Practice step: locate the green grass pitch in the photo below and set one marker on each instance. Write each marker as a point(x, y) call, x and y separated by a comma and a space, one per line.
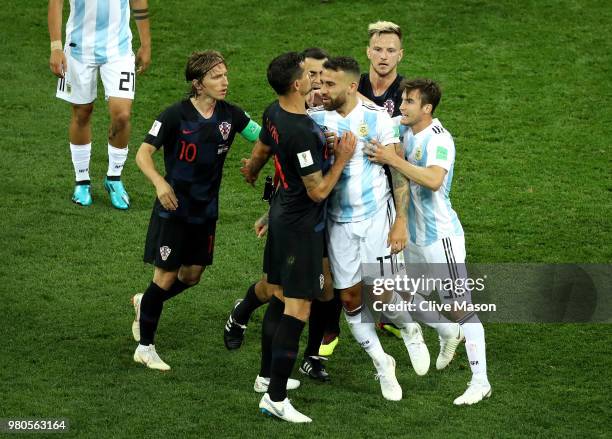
point(527, 94)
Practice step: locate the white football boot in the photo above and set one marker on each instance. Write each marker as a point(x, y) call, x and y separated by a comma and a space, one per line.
point(417, 349)
point(448, 346)
point(281, 409)
point(148, 356)
point(476, 392)
point(136, 323)
point(389, 385)
point(261, 384)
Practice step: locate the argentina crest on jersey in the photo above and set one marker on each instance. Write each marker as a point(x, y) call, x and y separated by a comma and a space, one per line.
point(418, 155)
point(362, 129)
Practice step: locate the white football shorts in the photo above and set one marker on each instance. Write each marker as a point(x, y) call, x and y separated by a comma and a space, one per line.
point(440, 262)
point(356, 243)
point(80, 82)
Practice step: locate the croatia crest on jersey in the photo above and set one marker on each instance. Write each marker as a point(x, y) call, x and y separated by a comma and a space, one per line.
point(225, 128)
point(390, 106)
point(165, 252)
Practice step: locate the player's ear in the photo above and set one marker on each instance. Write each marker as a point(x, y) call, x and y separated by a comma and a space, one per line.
point(368, 51)
point(427, 108)
point(401, 55)
point(296, 85)
point(197, 85)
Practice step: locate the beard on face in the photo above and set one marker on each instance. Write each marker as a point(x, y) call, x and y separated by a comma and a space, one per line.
point(334, 104)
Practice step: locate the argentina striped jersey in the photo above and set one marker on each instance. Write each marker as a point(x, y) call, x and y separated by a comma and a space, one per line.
point(363, 187)
point(431, 216)
point(98, 31)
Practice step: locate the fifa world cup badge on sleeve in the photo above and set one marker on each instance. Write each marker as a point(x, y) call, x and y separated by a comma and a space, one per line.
point(155, 128)
point(305, 159)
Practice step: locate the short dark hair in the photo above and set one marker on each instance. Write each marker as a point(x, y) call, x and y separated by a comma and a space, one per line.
point(283, 70)
point(344, 64)
point(429, 89)
point(315, 53)
point(199, 64)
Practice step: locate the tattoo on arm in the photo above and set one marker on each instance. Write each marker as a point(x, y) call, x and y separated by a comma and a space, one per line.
point(265, 218)
point(140, 14)
point(256, 164)
point(259, 157)
point(311, 181)
point(400, 192)
point(401, 188)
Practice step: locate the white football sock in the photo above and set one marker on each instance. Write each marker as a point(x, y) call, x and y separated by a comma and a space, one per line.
point(401, 317)
point(434, 319)
point(476, 348)
point(81, 154)
point(365, 334)
point(445, 330)
point(116, 160)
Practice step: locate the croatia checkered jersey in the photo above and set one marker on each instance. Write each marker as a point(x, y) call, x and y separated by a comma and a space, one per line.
point(98, 31)
point(195, 149)
point(363, 187)
point(431, 216)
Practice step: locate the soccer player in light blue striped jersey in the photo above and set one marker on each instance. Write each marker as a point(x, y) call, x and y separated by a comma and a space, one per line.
point(436, 235)
point(363, 226)
point(98, 38)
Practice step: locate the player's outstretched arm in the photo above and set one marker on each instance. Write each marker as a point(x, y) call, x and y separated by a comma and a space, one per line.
point(57, 59)
point(165, 193)
point(319, 186)
point(259, 157)
point(431, 177)
point(140, 12)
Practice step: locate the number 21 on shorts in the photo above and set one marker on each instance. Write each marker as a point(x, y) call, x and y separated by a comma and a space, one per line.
point(127, 82)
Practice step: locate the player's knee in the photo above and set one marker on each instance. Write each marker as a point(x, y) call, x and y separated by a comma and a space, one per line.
point(191, 280)
point(351, 298)
point(164, 280)
point(263, 291)
point(81, 114)
point(191, 276)
point(120, 120)
point(302, 314)
point(350, 302)
point(299, 309)
point(350, 305)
